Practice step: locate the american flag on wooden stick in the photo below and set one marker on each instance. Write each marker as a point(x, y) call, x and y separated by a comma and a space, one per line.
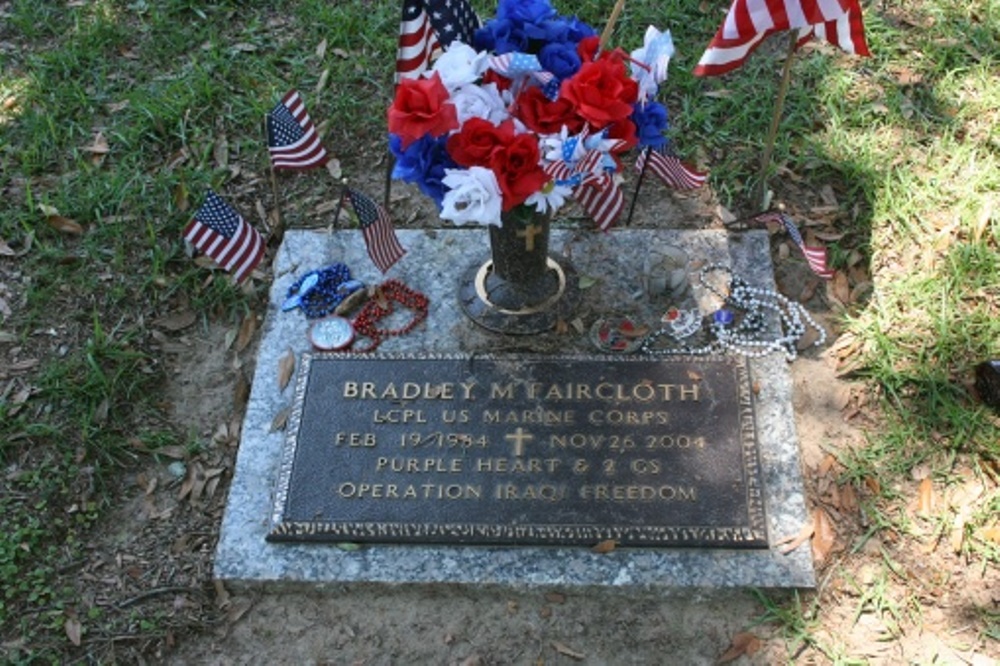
point(815, 256)
point(669, 168)
point(292, 139)
point(221, 233)
point(750, 21)
point(380, 238)
point(427, 27)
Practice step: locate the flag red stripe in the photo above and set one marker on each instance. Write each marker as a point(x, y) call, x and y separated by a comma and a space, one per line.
point(672, 171)
point(750, 21)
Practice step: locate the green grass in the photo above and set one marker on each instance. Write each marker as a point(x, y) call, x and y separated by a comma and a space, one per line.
point(909, 140)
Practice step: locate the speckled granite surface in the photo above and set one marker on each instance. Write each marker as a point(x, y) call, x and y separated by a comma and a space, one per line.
point(612, 264)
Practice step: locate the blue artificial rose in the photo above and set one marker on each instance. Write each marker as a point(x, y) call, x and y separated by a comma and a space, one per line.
point(525, 11)
point(576, 29)
point(423, 163)
point(500, 36)
point(560, 59)
point(650, 123)
point(548, 31)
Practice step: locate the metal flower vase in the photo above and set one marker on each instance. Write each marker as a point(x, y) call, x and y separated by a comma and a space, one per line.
point(520, 288)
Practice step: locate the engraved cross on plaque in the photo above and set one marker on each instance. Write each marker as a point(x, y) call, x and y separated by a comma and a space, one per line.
point(519, 436)
point(528, 234)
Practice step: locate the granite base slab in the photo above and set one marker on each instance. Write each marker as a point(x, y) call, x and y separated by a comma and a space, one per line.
point(611, 264)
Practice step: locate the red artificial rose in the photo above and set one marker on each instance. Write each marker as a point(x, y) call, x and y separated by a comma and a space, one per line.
point(624, 130)
point(544, 116)
point(422, 106)
point(517, 170)
point(491, 76)
point(602, 92)
point(478, 140)
point(587, 48)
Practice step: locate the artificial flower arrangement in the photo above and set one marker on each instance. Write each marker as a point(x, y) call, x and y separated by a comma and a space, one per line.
point(531, 114)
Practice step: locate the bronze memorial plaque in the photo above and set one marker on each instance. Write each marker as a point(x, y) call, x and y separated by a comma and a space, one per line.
point(464, 449)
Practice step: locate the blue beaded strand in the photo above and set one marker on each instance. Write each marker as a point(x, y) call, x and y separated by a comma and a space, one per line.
point(318, 293)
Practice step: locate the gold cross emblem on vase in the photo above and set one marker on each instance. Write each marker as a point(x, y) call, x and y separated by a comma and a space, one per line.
point(528, 234)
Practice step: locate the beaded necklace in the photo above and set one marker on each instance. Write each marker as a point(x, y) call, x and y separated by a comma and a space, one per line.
point(381, 305)
point(319, 292)
point(743, 334)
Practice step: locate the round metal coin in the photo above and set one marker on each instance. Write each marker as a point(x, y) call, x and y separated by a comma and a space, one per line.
point(331, 334)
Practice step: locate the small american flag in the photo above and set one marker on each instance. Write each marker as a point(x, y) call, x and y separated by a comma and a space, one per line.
point(601, 198)
point(815, 256)
point(427, 27)
point(380, 237)
point(221, 233)
point(668, 168)
point(291, 136)
point(750, 21)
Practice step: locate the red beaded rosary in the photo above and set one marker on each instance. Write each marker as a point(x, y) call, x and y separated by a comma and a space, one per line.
point(380, 306)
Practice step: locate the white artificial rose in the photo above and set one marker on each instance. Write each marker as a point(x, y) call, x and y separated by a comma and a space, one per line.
point(473, 196)
point(472, 101)
point(459, 65)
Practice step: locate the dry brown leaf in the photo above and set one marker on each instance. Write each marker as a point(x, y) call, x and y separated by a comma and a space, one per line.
point(286, 368)
point(321, 49)
point(247, 328)
point(605, 546)
point(238, 609)
point(824, 535)
point(220, 152)
point(841, 288)
point(98, 149)
point(567, 651)
point(958, 533)
point(983, 221)
point(194, 482)
point(873, 485)
point(926, 499)
point(221, 595)
point(990, 534)
point(177, 321)
point(280, 420)
point(848, 498)
point(793, 542)
point(323, 78)
point(5, 250)
point(64, 225)
point(241, 391)
point(826, 465)
point(74, 630)
point(99, 145)
point(181, 202)
point(175, 452)
point(743, 643)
